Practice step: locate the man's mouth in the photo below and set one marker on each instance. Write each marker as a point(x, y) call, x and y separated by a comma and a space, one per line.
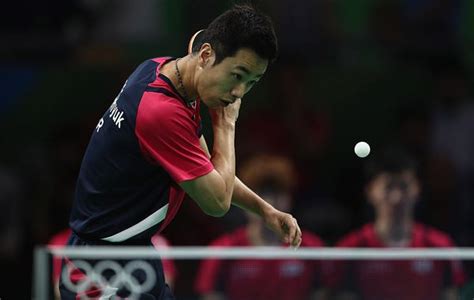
point(225, 103)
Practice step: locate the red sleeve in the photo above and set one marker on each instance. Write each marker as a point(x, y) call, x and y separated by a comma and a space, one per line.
point(168, 135)
point(311, 240)
point(352, 240)
point(457, 276)
point(210, 269)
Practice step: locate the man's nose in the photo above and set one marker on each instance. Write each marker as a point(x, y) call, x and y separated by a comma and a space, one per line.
point(238, 91)
point(395, 196)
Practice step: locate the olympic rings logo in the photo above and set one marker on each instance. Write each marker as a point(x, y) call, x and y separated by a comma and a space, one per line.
point(120, 277)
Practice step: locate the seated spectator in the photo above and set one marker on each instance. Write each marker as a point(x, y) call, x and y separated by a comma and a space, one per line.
point(274, 178)
point(393, 189)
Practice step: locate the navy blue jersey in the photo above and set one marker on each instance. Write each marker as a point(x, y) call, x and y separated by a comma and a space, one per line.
point(144, 144)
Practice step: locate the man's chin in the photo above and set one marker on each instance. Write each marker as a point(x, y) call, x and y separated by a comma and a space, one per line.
point(215, 104)
point(210, 103)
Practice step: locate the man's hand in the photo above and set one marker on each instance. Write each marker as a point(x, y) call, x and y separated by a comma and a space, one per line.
point(213, 191)
point(285, 226)
point(225, 114)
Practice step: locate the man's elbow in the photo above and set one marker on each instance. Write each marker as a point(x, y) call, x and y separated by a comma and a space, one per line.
point(218, 210)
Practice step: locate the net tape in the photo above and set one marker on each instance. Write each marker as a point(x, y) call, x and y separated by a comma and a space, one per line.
point(123, 274)
point(265, 253)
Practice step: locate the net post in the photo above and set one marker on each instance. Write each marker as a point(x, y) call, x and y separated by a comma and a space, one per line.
point(41, 274)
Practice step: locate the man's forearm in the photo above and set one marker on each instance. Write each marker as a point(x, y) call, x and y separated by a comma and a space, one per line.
point(247, 199)
point(242, 196)
point(223, 157)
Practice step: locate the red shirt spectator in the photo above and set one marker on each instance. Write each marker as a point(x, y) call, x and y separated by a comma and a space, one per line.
point(255, 279)
point(393, 188)
point(397, 279)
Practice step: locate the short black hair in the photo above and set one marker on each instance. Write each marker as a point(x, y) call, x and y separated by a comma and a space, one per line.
point(392, 160)
point(242, 26)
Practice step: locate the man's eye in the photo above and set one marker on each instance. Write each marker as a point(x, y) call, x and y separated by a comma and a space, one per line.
point(237, 76)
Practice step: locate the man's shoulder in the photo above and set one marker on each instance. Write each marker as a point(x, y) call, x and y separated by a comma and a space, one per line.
point(238, 237)
point(359, 237)
point(160, 59)
point(160, 104)
point(432, 237)
point(311, 240)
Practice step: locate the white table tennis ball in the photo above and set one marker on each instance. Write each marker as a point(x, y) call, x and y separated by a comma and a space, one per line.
point(362, 149)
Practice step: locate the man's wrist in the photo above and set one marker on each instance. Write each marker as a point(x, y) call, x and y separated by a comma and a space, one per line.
point(266, 209)
point(223, 125)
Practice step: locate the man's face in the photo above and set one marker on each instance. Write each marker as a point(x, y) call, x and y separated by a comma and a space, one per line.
point(281, 200)
point(394, 195)
point(221, 84)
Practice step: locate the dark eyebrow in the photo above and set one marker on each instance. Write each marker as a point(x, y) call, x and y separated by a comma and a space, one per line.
point(247, 71)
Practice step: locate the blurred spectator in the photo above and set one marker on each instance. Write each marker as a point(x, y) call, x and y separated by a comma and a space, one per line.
point(393, 189)
point(61, 238)
point(274, 178)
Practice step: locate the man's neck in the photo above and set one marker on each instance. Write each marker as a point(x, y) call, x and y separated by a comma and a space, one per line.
point(394, 233)
point(185, 85)
point(185, 68)
point(254, 236)
point(259, 235)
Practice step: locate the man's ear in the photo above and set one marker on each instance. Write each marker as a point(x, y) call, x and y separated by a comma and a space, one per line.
point(206, 55)
point(368, 190)
point(191, 41)
point(415, 193)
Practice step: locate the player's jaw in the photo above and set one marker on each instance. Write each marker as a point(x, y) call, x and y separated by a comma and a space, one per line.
point(219, 94)
point(214, 102)
point(225, 102)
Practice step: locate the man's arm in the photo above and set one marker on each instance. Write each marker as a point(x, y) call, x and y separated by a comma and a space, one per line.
point(213, 191)
point(281, 223)
point(243, 196)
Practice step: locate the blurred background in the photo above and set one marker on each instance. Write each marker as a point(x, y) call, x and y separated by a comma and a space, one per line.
point(382, 71)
